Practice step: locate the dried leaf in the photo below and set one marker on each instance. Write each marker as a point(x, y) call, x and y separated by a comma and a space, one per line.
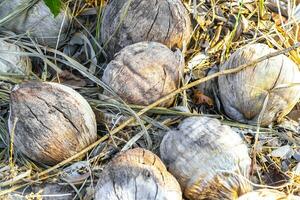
point(282, 152)
point(198, 59)
point(199, 98)
point(278, 19)
point(77, 172)
point(297, 169)
point(295, 113)
point(70, 79)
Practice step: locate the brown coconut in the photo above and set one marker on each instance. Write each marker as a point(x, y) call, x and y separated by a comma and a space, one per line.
point(144, 72)
point(269, 89)
point(38, 21)
point(11, 62)
point(137, 174)
point(126, 22)
point(209, 160)
point(50, 122)
point(268, 194)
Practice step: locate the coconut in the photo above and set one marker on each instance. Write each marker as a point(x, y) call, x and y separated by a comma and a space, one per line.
point(50, 122)
point(37, 21)
point(12, 62)
point(262, 93)
point(144, 72)
point(128, 22)
point(209, 160)
point(268, 194)
point(137, 174)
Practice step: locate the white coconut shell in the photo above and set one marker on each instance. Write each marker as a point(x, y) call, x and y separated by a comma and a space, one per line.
point(243, 94)
point(37, 21)
point(144, 72)
point(137, 174)
point(268, 194)
point(209, 160)
point(128, 22)
point(11, 62)
point(50, 122)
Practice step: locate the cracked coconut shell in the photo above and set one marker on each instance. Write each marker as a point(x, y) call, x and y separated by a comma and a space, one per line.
point(128, 22)
point(268, 194)
point(144, 72)
point(37, 21)
point(209, 160)
point(137, 174)
point(11, 62)
point(270, 87)
point(50, 122)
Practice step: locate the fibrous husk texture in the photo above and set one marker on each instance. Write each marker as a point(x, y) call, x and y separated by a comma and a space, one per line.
point(137, 174)
point(269, 89)
point(127, 22)
point(209, 160)
point(144, 72)
point(50, 122)
point(268, 194)
point(11, 62)
point(37, 21)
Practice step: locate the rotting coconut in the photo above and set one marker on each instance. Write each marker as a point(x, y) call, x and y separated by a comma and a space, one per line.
point(137, 174)
point(11, 62)
point(37, 21)
point(128, 22)
point(209, 160)
point(50, 122)
point(267, 91)
point(268, 194)
point(144, 72)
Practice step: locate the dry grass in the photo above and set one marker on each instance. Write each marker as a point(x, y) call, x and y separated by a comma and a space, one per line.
point(220, 27)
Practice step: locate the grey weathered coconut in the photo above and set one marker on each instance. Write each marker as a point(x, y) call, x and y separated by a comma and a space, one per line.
point(37, 21)
point(144, 72)
point(270, 82)
point(268, 194)
point(11, 62)
point(137, 174)
point(209, 160)
point(50, 122)
point(126, 22)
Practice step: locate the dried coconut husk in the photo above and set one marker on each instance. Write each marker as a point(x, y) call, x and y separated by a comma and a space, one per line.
point(126, 22)
point(11, 62)
point(137, 174)
point(144, 72)
point(268, 90)
point(38, 21)
point(209, 160)
point(268, 194)
point(50, 122)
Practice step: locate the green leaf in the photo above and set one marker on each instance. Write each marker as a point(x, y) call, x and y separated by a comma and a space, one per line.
point(54, 6)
